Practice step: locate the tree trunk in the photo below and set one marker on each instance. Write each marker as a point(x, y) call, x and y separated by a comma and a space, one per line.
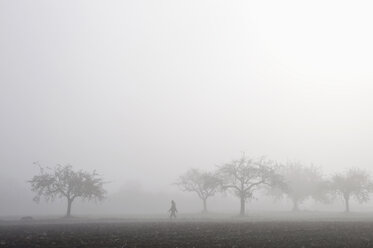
point(242, 210)
point(295, 205)
point(69, 203)
point(204, 206)
point(347, 203)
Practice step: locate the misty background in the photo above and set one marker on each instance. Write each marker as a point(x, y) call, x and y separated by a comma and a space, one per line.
point(141, 91)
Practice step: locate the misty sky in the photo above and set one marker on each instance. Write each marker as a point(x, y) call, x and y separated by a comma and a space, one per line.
point(143, 90)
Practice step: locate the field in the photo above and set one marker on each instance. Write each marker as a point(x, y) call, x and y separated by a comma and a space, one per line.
point(297, 232)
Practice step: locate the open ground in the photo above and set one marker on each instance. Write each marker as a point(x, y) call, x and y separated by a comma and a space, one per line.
point(289, 230)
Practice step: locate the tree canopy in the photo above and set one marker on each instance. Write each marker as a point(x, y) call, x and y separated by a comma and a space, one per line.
point(301, 183)
point(354, 183)
point(64, 182)
point(205, 184)
point(244, 176)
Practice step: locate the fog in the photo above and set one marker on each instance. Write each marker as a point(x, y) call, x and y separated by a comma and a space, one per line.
point(141, 91)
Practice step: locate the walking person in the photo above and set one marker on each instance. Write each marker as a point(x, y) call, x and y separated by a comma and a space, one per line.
point(173, 210)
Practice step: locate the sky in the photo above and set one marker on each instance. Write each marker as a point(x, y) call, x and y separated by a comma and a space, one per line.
point(140, 91)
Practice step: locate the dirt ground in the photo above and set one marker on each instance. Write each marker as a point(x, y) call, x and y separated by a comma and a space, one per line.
point(189, 234)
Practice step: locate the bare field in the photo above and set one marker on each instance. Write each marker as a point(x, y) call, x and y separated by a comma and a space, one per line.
point(187, 233)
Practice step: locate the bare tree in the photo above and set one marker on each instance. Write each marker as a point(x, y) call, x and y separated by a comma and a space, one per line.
point(301, 183)
point(64, 182)
point(205, 184)
point(244, 176)
point(354, 183)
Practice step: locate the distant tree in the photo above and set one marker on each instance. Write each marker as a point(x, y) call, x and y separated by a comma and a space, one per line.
point(204, 184)
point(244, 176)
point(64, 182)
point(354, 183)
point(301, 183)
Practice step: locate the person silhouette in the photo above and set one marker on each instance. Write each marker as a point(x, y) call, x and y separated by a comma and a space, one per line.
point(173, 210)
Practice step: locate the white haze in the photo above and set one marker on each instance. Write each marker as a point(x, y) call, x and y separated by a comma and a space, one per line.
point(143, 90)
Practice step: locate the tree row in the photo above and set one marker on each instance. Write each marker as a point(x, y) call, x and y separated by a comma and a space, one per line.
point(245, 176)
